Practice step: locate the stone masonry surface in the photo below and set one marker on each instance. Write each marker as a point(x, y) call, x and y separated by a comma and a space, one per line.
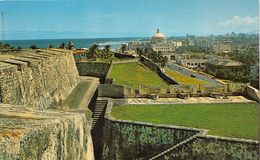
point(35, 123)
point(40, 79)
point(30, 134)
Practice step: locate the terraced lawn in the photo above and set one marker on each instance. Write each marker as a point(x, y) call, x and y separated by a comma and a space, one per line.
point(231, 120)
point(135, 73)
point(181, 78)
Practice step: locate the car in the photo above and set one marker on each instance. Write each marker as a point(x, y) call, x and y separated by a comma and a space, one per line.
point(193, 76)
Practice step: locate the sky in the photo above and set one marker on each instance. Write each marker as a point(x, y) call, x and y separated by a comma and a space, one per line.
point(126, 18)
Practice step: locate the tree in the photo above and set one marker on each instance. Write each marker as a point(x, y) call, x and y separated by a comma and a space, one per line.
point(139, 52)
point(63, 46)
point(107, 48)
point(93, 51)
point(7, 46)
point(33, 46)
point(164, 61)
point(123, 48)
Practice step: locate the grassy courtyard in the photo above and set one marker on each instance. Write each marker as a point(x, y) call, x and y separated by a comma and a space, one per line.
point(183, 78)
point(135, 74)
point(231, 120)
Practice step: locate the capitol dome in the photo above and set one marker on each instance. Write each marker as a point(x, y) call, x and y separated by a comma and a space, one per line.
point(158, 37)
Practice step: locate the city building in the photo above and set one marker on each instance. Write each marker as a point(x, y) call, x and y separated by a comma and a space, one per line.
point(254, 72)
point(222, 47)
point(214, 65)
point(158, 43)
point(188, 62)
point(178, 43)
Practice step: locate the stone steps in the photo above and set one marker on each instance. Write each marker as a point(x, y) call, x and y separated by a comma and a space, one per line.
point(98, 114)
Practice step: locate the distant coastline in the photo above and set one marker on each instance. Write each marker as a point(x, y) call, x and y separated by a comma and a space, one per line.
point(79, 43)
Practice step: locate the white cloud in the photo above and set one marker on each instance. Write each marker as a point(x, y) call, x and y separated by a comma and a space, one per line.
point(240, 21)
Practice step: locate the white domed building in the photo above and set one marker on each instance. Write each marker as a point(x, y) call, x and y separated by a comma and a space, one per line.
point(160, 44)
point(158, 37)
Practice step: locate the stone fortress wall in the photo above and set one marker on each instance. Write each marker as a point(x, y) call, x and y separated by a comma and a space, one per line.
point(40, 80)
point(139, 140)
point(34, 124)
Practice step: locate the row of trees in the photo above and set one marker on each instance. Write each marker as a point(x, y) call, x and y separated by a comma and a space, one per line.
point(96, 52)
point(155, 57)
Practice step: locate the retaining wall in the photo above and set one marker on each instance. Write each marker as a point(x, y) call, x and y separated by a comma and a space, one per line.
point(41, 79)
point(213, 148)
point(157, 69)
point(252, 93)
point(136, 140)
point(95, 69)
point(115, 91)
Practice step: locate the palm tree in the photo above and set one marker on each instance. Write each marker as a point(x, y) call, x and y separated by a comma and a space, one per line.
point(93, 50)
point(63, 46)
point(139, 52)
point(107, 48)
point(164, 61)
point(123, 48)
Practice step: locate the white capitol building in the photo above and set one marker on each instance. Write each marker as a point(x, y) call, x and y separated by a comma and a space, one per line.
point(158, 43)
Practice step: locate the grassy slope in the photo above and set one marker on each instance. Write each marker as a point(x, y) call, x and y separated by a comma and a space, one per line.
point(183, 78)
point(135, 74)
point(232, 120)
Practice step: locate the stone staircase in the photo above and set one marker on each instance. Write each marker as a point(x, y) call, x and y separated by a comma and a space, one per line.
point(98, 114)
point(98, 107)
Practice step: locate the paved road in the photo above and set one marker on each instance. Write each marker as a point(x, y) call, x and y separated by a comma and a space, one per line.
point(187, 72)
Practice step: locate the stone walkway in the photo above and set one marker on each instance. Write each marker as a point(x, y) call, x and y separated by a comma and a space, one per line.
point(229, 99)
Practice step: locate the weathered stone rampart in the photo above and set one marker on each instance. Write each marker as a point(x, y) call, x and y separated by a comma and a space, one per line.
point(125, 139)
point(95, 69)
point(212, 147)
point(27, 133)
point(43, 107)
point(39, 79)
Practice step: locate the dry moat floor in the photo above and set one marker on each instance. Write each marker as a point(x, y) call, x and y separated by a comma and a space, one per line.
point(238, 120)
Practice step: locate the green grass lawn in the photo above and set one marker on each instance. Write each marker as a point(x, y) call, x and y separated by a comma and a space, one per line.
point(179, 77)
point(231, 120)
point(76, 96)
point(135, 74)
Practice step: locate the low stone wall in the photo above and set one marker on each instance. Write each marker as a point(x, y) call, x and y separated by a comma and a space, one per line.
point(157, 69)
point(252, 93)
point(121, 56)
point(39, 79)
point(115, 91)
point(136, 140)
point(213, 148)
point(27, 133)
point(94, 69)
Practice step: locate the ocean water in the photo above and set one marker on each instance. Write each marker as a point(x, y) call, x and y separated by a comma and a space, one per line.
point(78, 43)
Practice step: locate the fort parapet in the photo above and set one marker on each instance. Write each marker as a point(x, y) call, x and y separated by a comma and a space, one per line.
point(40, 79)
point(44, 107)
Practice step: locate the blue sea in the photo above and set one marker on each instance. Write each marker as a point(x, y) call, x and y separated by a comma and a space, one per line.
point(78, 43)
